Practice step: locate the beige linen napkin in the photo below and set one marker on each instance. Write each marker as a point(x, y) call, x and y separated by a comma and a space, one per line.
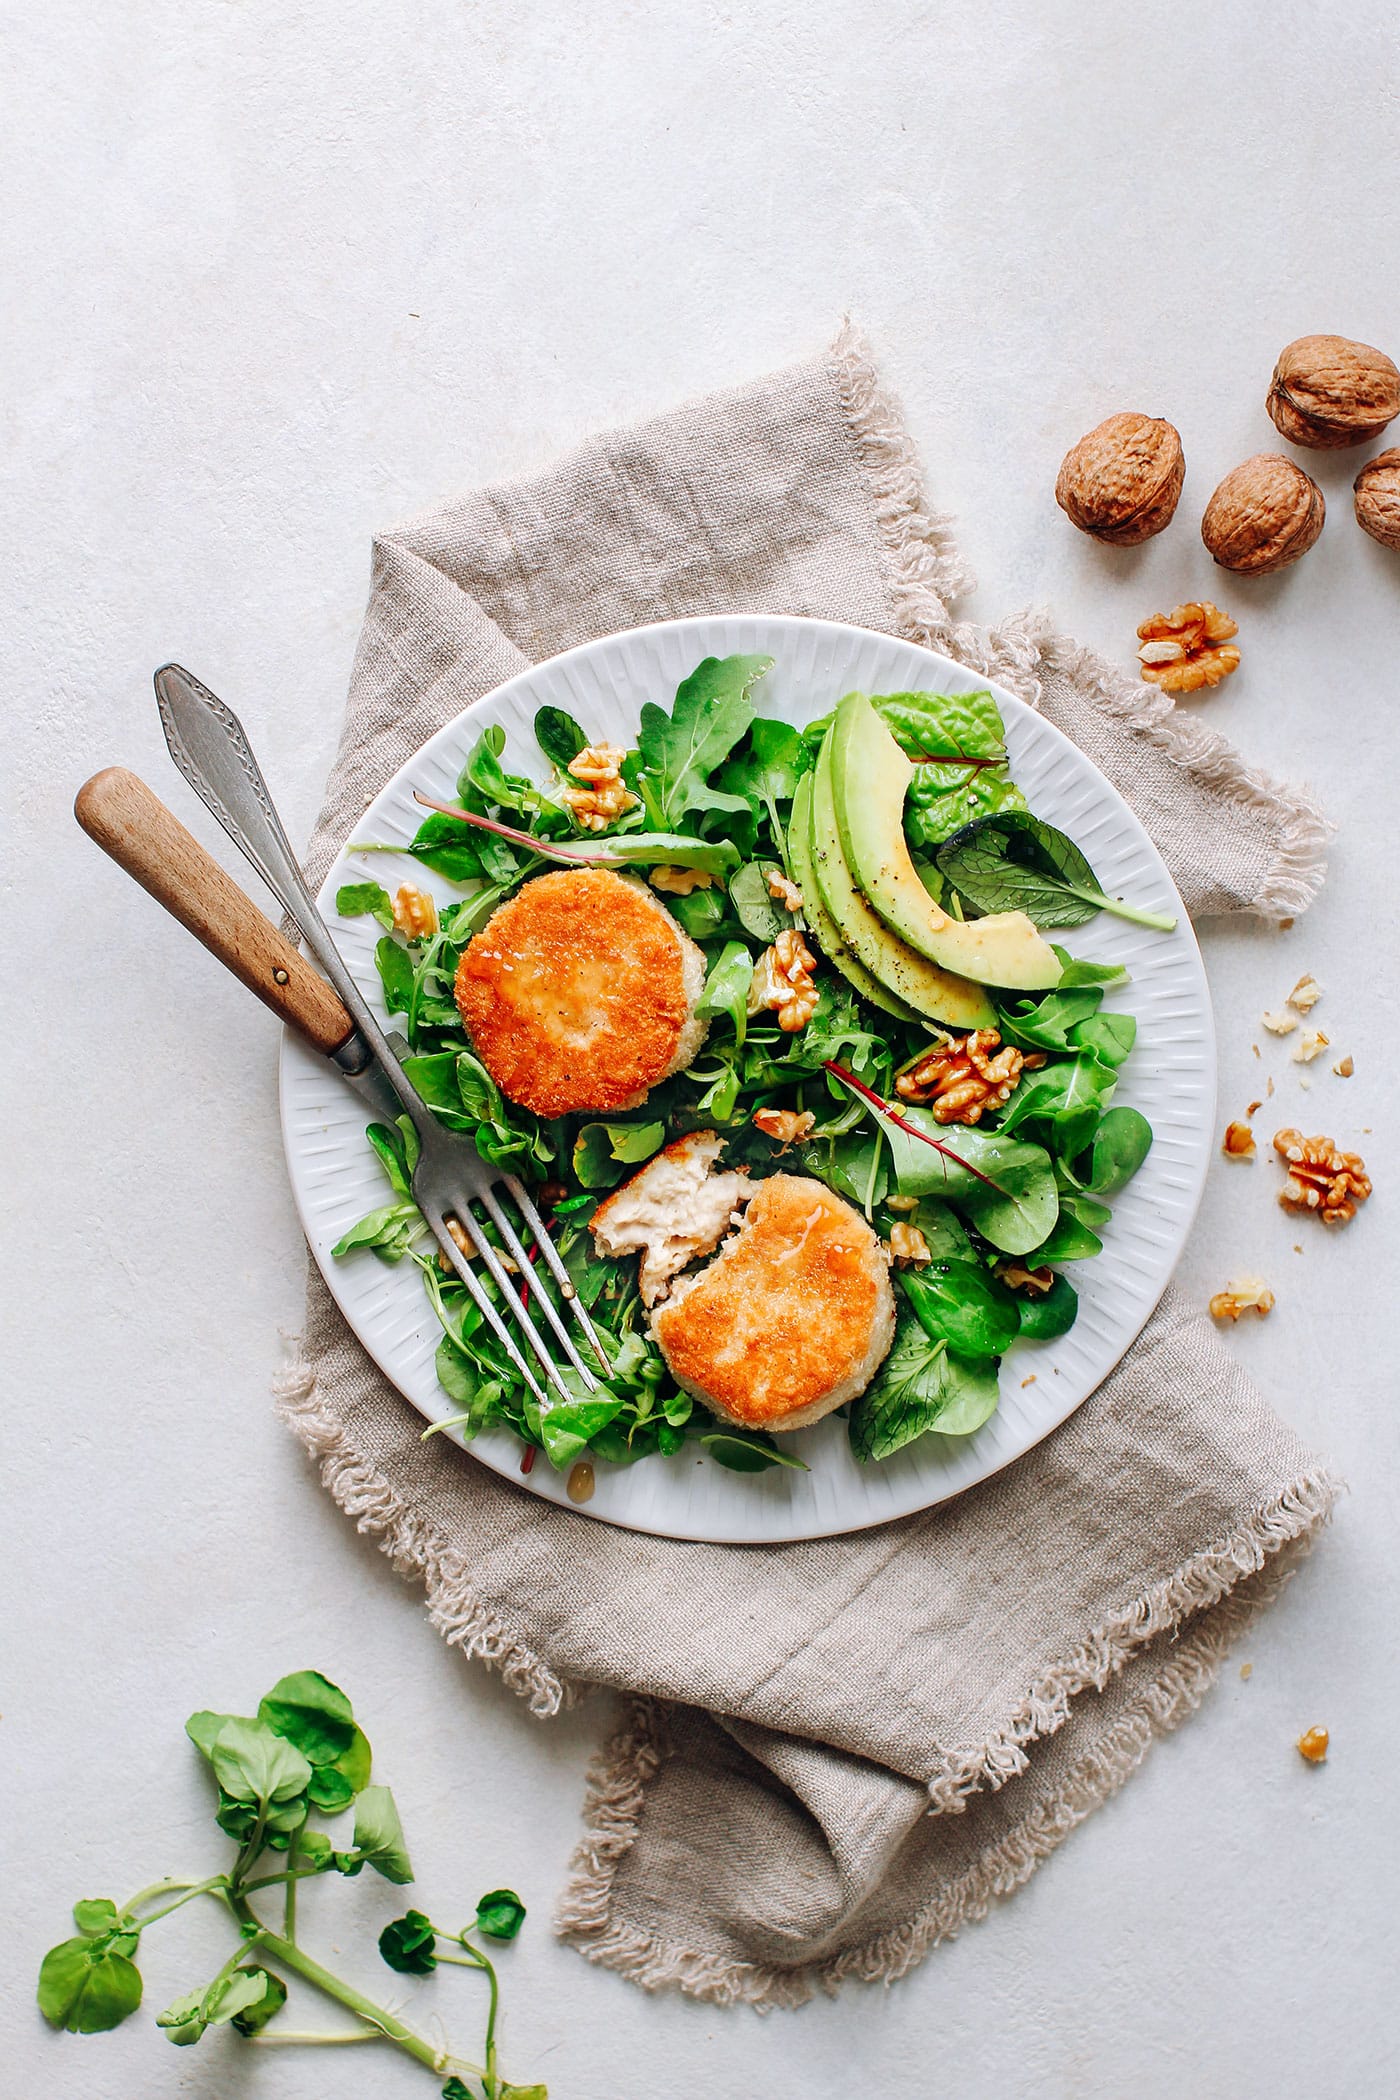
point(836, 1752)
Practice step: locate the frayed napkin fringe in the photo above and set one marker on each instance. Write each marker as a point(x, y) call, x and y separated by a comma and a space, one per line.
point(1268, 1546)
point(456, 1608)
point(926, 575)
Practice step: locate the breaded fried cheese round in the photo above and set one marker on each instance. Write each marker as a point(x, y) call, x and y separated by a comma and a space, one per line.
point(793, 1317)
point(580, 993)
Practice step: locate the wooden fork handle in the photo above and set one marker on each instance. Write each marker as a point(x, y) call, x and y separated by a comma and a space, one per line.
point(126, 820)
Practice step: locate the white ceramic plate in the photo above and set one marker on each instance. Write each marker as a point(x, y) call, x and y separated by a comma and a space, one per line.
point(1170, 1077)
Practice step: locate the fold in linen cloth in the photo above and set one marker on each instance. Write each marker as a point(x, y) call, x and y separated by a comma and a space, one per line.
point(835, 1752)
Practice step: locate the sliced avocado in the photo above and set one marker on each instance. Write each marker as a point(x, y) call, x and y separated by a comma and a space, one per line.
point(837, 951)
point(934, 993)
point(870, 777)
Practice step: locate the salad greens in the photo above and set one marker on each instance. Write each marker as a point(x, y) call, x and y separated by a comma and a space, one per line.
point(999, 1205)
point(302, 1755)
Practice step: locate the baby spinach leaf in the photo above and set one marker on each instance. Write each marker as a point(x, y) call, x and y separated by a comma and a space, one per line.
point(727, 987)
point(387, 1232)
point(604, 1151)
point(87, 1986)
point(855, 1164)
point(920, 1386)
point(450, 849)
point(1068, 1098)
point(680, 750)
point(395, 968)
point(671, 849)
point(1045, 1314)
point(961, 1303)
point(1121, 1144)
point(1109, 1036)
point(1075, 972)
point(307, 1710)
point(354, 899)
point(958, 745)
point(748, 1451)
point(1014, 1213)
point(409, 1944)
point(701, 914)
point(755, 906)
point(500, 1914)
point(1013, 861)
point(1045, 1024)
point(565, 1429)
point(379, 1834)
point(1075, 1235)
point(558, 736)
point(945, 1236)
point(396, 1146)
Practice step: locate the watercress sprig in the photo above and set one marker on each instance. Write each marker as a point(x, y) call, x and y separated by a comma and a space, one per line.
point(302, 1753)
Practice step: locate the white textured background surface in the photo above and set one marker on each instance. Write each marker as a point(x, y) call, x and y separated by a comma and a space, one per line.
point(275, 275)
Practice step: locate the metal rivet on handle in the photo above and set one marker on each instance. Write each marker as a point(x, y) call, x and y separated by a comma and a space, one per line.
point(280, 976)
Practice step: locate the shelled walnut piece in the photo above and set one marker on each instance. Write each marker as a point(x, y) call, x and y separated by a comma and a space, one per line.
point(1320, 1177)
point(785, 891)
point(1245, 1294)
point(1182, 651)
point(962, 1079)
point(1238, 1142)
point(908, 1247)
point(415, 913)
point(784, 1125)
point(782, 982)
point(679, 882)
point(603, 797)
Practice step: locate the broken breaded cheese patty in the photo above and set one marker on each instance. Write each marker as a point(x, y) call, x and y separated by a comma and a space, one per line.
point(792, 1318)
point(580, 993)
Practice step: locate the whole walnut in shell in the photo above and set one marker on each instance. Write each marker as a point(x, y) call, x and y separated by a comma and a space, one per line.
point(1264, 514)
point(1122, 481)
point(1329, 391)
point(1376, 493)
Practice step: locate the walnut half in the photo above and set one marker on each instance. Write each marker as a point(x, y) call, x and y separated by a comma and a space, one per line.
point(782, 982)
point(1182, 650)
point(961, 1080)
point(1320, 1177)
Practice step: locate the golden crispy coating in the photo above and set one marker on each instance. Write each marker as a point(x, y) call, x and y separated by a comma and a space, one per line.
point(578, 993)
point(791, 1318)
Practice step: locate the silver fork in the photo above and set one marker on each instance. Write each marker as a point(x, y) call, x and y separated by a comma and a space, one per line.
point(208, 744)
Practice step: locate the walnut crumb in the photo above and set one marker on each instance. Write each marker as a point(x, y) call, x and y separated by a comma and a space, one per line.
point(1305, 994)
point(679, 882)
point(1246, 1671)
point(1310, 1044)
point(1281, 1023)
point(1239, 1140)
point(1245, 1294)
point(1345, 1066)
point(1284, 924)
point(1269, 1089)
point(786, 892)
point(1254, 1108)
point(1312, 1744)
point(1028, 1381)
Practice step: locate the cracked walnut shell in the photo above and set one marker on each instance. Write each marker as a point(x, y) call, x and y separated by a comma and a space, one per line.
point(1265, 513)
point(1182, 650)
point(1122, 481)
point(1320, 1177)
point(1375, 494)
point(1327, 391)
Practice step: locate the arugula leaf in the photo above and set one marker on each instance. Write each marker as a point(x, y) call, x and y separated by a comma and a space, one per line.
point(1076, 972)
point(379, 1834)
point(1013, 861)
point(756, 908)
point(558, 736)
point(604, 1151)
point(764, 770)
point(88, 1986)
point(484, 774)
point(354, 899)
point(409, 1944)
point(396, 1146)
point(500, 1914)
point(920, 1386)
point(727, 988)
point(680, 750)
point(671, 849)
point(450, 849)
point(1120, 1145)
